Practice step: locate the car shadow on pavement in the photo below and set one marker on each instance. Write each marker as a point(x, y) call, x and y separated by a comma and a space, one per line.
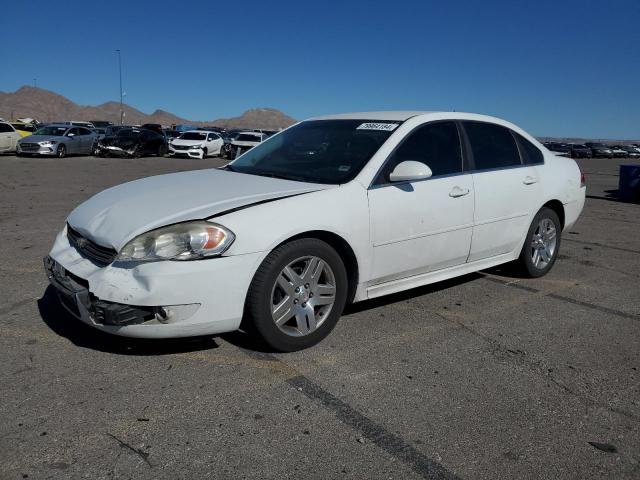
point(82, 335)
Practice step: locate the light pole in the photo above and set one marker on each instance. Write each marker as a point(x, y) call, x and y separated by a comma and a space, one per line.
point(120, 70)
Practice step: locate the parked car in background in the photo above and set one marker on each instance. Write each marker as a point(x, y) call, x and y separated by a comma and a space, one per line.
point(133, 142)
point(154, 127)
point(171, 134)
point(333, 210)
point(618, 151)
point(101, 123)
point(9, 138)
point(242, 142)
point(562, 148)
point(599, 150)
point(111, 130)
point(196, 144)
point(77, 123)
point(632, 152)
point(580, 151)
point(24, 129)
point(58, 140)
point(100, 132)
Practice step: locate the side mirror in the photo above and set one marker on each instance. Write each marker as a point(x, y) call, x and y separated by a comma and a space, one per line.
point(410, 170)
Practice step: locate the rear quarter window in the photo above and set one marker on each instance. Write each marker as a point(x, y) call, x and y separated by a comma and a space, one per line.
point(531, 155)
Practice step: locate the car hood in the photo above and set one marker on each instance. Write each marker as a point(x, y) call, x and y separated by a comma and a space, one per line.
point(118, 214)
point(187, 142)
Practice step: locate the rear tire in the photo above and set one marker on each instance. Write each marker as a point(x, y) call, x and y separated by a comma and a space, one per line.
point(162, 151)
point(540, 249)
point(297, 295)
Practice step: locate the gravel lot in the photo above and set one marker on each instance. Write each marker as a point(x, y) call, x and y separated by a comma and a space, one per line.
point(486, 376)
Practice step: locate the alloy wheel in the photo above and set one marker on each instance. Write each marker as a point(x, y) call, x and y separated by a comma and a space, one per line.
point(543, 243)
point(303, 295)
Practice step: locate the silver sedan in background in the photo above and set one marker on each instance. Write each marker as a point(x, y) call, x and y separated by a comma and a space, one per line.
point(58, 140)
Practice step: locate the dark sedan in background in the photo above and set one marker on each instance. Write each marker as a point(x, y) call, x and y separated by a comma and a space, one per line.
point(580, 151)
point(133, 142)
point(599, 150)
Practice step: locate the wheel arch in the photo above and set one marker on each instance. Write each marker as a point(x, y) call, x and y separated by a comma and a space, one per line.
point(340, 245)
point(558, 208)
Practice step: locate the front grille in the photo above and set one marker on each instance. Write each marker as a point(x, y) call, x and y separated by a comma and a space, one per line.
point(29, 147)
point(180, 147)
point(90, 250)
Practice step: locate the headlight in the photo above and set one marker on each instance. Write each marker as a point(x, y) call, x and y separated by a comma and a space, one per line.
point(47, 143)
point(196, 146)
point(183, 241)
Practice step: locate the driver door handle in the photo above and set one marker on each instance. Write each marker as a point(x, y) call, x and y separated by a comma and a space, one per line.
point(529, 180)
point(458, 192)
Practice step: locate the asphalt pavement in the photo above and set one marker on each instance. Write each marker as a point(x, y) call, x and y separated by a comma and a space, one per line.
point(485, 376)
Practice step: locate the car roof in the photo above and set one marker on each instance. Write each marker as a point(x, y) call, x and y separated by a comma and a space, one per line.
point(402, 115)
point(199, 131)
point(249, 132)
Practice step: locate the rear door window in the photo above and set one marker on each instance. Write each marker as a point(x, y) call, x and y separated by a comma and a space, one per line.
point(493, 146)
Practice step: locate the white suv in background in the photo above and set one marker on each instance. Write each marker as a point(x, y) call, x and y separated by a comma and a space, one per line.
point(8, 138)
point(196, 144)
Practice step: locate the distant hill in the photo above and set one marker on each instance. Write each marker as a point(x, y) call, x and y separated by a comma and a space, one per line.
point(47, 106)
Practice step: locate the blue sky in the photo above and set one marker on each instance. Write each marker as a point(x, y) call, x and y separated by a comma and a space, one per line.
point(553, 67)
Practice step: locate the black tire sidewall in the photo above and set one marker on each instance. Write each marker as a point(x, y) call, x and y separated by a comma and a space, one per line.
point(62, 151)
point(525, 257)
point(258, 318)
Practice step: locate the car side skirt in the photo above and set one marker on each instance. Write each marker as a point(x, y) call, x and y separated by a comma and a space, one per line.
point(414, 281)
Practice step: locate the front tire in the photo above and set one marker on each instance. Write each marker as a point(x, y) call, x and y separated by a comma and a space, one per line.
point(297, 295)
point(62, 151)
point(540, 249)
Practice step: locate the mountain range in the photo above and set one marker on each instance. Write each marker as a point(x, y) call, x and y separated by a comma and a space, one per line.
point(47, 106)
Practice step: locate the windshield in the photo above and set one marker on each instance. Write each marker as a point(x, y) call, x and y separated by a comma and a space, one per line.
point(193, 136)
point(51, 131)
point(128, 133)
point(318, 151)
point(244, 137)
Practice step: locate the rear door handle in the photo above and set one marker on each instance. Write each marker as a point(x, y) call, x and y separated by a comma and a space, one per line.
point(458, 192)
point(529, 180)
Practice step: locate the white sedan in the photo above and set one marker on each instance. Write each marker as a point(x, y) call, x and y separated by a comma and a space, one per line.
point(8, 138)
point(196, 144)
point(332, 210)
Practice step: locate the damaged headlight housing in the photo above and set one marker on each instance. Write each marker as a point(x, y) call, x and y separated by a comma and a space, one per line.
point(182, 241)
point(196, 146)
point(47, 143)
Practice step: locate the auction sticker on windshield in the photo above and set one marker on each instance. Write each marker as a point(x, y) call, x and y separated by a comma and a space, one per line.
point(387, 127)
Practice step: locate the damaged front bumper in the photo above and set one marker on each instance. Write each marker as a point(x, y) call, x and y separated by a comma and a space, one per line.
point(156, 299)
point(75, 297)
point(117, 151)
